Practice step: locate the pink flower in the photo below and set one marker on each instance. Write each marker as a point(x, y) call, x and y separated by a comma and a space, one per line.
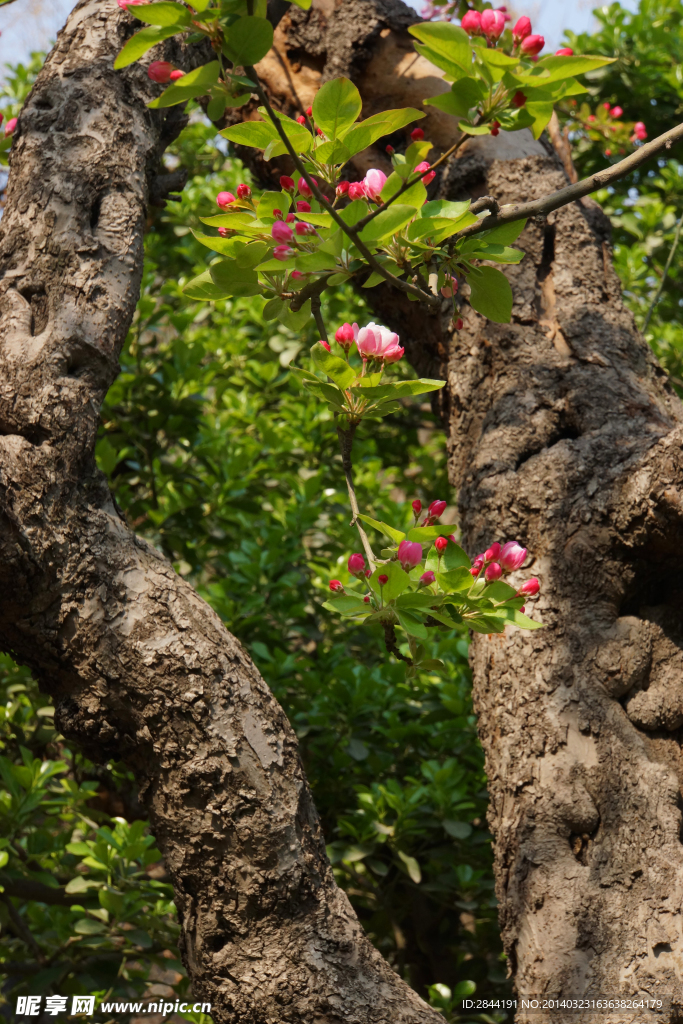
point(304, 188)
point(493, 572)
point(325, 344)
point(564, 51)
point(130, 3)
point(616, 111)
point(304, 229)
point(283, 252)
point(356, 190)
point(382, 580)
point(522, 29)
point(342, 188)
point(417, 135)
point(281, 232)
point(492, 23)
point(530, 588)
point(417, 507)
point(512, 556)
point(374, 182)
point(356, 563)
point(243, 192)
point(302, 206)
point(225, 232)
point(296, 275)
point(175, 75)
point(437, 508)
point(10, 126)
point(393, 354)
point(336, 586)
point(160, 71)
point(532, 45)
point(441, 543)
point(378, 342)
point(287, 183)
point(639, 130)
point(301, 119)
point(427, 577)
point(472, 23)
point(491, 554)
point(224, 199)
point(346, 334)
point(426, 178)
point(409, 554)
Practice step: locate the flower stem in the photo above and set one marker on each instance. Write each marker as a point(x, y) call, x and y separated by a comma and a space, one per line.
point(345, 446)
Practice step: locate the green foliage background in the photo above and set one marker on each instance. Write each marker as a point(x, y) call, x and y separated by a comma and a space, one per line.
point(217, 457)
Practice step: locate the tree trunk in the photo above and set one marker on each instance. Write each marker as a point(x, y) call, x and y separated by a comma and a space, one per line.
point(138, 666)
point(564, 433)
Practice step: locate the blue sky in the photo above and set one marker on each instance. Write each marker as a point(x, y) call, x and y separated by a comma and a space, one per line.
point(33, 24)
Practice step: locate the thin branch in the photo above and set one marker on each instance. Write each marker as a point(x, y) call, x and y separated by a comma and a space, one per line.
point(666, 271)
point(352, 233)
point(21, 929)
point(345, 445)
point(544, 206)
point(318, 317)
point(309, 291)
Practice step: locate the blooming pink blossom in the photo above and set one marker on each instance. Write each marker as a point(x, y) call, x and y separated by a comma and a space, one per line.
point(417, 507)
point(281, 232)
point(426, 178)
point(382, 579)
point(325, 344)
point(564, 51)
point(224, 199)
point(512, 556)
point(393, 354)
point(302, 206)
point(342, 188)
point(472, 23)
point(491, 554)
point(304, 229)
point(409, 554)
point(616, 112)
point(529, 588)
point(176, 75)
point(287, 183)
point(441, 543)
point(10, 126)
point(437, 508)
point(336, 586)
point(532, 45)
point(356, 564)
point(427, 577)
point(374, 182)
point(493, 572)
point(357, 190)
point(243, 191)
point(346, 334)
point(377, 342)
point(522, 29)
point(417, 134)
point(304, 188)
point(160, 71)
point(283, 252)
point(492, 23)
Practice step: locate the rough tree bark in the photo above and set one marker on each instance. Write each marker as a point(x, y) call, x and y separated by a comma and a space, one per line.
point(563, 432)
point(138, 666)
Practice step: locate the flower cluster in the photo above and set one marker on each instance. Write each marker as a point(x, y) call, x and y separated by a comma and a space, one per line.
point(373, 342)
point(504, 558)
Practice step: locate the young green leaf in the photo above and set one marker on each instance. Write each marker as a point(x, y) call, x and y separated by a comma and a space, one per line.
point(499, 591)
point(346, 604)
point(258, 134)
point(491, 294)
point(296, 321)
point(310, 262)
point(464, 94)
point(388, 531)
point(270, 202)
point(410, 599)
point(565, 67)
point(447, 40)
point(337, 106)
point(412, 624)
point(338, 369)
point(424, 534)
point(454, 557)
point(412, 866)
point(195, 83)
point(388, 121)
point(299, 136)
point(164, 13)
point(141, 42)
point(388, 222)
point(398, 389)
point(505, 234)
point(447, 620)
point(541, 113)
point(248, 41)
point(455, 580)
point(334, 152)
point(398, 581)
point(234, 280)
point(203, 288)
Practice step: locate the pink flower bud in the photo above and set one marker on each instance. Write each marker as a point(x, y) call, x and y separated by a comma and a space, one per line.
point(519, 99)
point(356, 563)
point(320, 132)
point(491, 554)
point(522, 29)
point(447, 291)
point(356, 190)
point(472, 23)
point(287, 183)
point(368, 573)
point(639, 130)
point(522, 609)
point(225, 232)
point(298, 276)
point(426, 178)
point(302, 206)
point(281, 232)
point(283, 252)
point(374, 182)
point(346, 334)
point(492, 23)
point(417, 507)
point(437, 508)
point(342, 188)
point(309, 110)
point(304, 229)
point(477, 565)
point(409, 554)
point(10, 126)
point(304, 188)
point(417, 135)
point(243, 192)
point(616, 112)
point(301, 119)
point(564, 51)
point(441, 543)
point(224, 199)
point(336, 586)
point(393, 354)
point(176, 75)
point(325, 344)
point(530, 588)
point(290, 218)
point(532, 45)
point(366, 599)
point(160, 71)
point(390, 150)
point(512, 556)
point(458, 324)
point(495, 128)
point(382, 580)
point(427, 578)
point(493, 572)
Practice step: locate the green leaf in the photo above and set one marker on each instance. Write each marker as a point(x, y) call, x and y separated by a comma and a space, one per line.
point(334, 152)
point(499, 591)
point(464, 94)
point(203, 287)
point(398, 389)
point(273, 308)
point(336, 107)
point(411, 599)
point(459, 830)
point(448, 41)
point(471, 129)
point(505, 234)
point(444, 208)
point(446, 620)
point(164, 13)
point(388, 222)
point(398, 581)
point(234, 280)
point(354, 212)
point(425, 534)
point(439, 228)
point(388, 531)
point(338, 369)
point(414, 196)
point(412, 624)
point(309, 262)
point(491, 294)
point(347, 604)
point(566, 67)
point(196, 83)
point(303, 4)
point(81, 884)
point(492, 251)
point(388, 121)
point(454, 557)
point(258, 134)
point(271, 201)
point(328, 392)
point(249, 40)
point(296, 321)
point(541, 113)
point(456, 580)
point(299, 136)
point(453, 70)
point(412, 867)
point(86, 926)
point(140, 43)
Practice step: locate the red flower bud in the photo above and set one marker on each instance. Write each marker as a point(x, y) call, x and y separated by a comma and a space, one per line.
point(304, 229)
point(224, 199)
point(417, 135)
point(409, 554)
point(417, 507)
point(304, 187)
point(564, 51)
point(342, 188)
point(301, 119)
point(532, 45)
point(522, 29)
point(390, 150)
point(472, 23)
point(297, 275)
point(492, 23)
point(302, 206)
point(160, 71)
point(287, 183)
point(309, 110)
point(437, 508)
point(10, 126)
point(382, 580)
point(512, 556)
point(225, 232)
point(175, 75)
point(519, 99)
point(495, 128)
point(356, 190)
point(427, 578)
point(290, 218)
point(458, 324)
point(530, 588)
point(616, 112)
point(281, 232)
point(277, 214)
point(243, 192)
point(325, 344)
point(368, 573)
point(356, 561)
point(366, 599)
point(319, 131)
point(441, 543)
point(345, 335)
point(639, 130)
point(492, 553)
point(336, 586)
point(493, 572)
